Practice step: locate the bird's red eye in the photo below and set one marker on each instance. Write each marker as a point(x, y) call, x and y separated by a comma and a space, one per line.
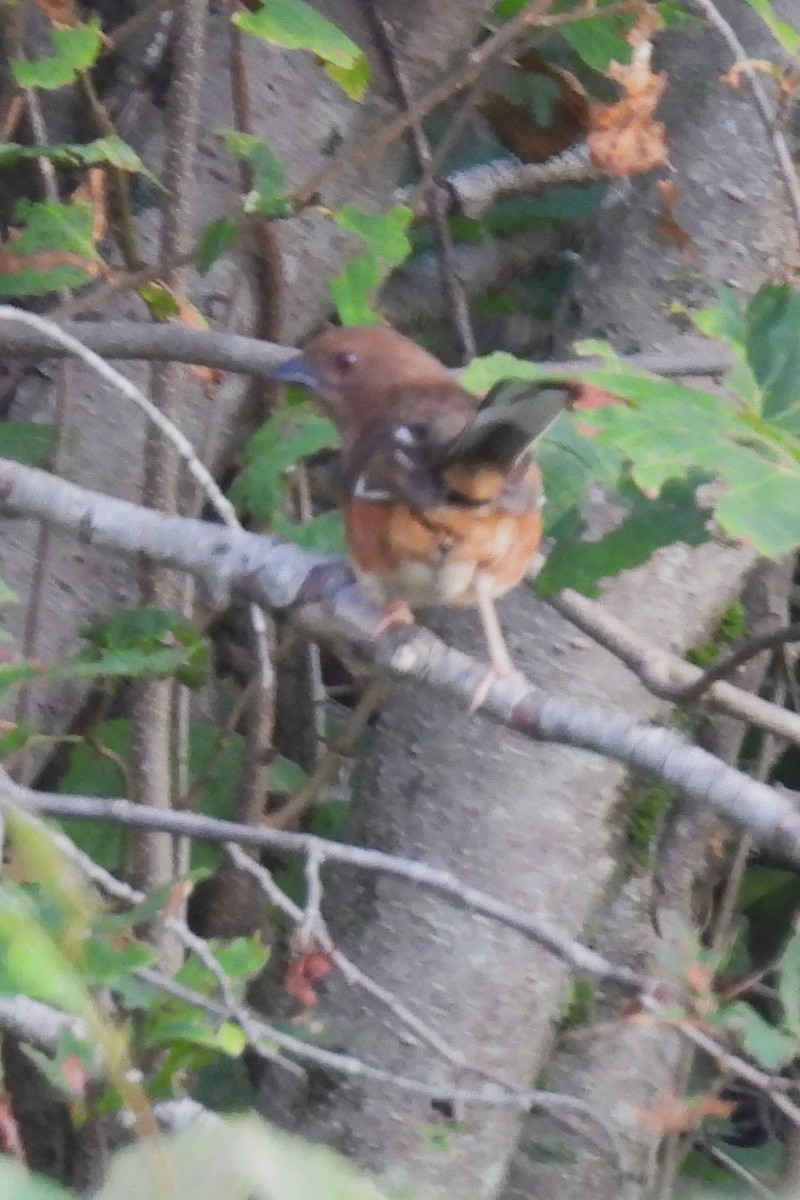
point(345, 361)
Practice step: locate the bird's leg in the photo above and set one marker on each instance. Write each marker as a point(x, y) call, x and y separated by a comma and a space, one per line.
point(396, 612)
point(502, 666)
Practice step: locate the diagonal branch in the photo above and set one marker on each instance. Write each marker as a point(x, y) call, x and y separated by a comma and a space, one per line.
point(317, 592)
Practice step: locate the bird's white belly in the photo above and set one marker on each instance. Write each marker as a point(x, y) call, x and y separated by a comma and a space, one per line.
point(421, 584)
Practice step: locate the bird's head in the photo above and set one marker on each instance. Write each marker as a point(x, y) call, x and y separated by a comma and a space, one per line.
point(358, 372)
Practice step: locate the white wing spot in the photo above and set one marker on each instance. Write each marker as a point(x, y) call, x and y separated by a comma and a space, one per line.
point(404, 435)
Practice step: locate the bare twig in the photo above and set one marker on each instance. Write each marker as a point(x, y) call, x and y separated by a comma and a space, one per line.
point(766, 109)
point(737, 658)
point(252, 356)
point(439, 881)
point(490, 51)
point(435, 202)
point(475, 189)
point(668, 676)
point(325, 604)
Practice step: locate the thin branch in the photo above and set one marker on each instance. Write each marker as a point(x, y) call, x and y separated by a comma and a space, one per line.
point(318, 590)
point(352, 973)
point(737, 658)
point(766, 109)
point(490, 51)
point(437, 880)
point(668, 676)
point(477, 61)
point(252, 356)
point(474, 190)
point(435, 200)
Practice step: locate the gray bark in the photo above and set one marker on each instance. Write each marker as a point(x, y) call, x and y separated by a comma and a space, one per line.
point(535, 823)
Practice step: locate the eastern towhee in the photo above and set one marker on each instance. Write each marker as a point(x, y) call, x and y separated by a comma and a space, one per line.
point(442, 497)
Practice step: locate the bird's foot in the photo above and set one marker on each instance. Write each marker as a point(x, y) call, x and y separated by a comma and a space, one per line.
point(494, 672)
point(397, 612)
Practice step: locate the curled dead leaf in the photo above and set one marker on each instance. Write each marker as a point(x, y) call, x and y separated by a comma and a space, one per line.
point(303, 975)
point(60, 12)
point(625, 139)
point(678, 1114)
point(668, 225)
point(12, 263)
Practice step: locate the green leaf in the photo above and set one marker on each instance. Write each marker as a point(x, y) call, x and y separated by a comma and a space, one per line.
point(483, 373)
point(30, 961)
point(160, 300)
point(76, 49)
point(789, 984)
point(237, 1158)
point(600, 40)
point(353, 289)
point(111, 150)
point(26, 443)
point(571, 464)
point(322, 535)
point(106, 963)
point(195, 1030)
point(784, 33)
point(773, 350)
point(671, 517)
point(18, 1183)
point(144, 633)
point(285, 776)
point(769, 1047)
point(387, 245)
point(269, 173)
point(285, 438)
point(18, 737)
point(243, 957)
point(297, 26)
point(214, 770)
point(762, 502)
point(217, 237)
point(54, 248)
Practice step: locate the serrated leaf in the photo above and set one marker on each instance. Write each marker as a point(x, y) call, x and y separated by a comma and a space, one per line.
point(26, 443)
point(54, 248)
point(600, 40)
point(105, 963)
point(387, 245)
point(673, 516)
point(769, 1047)
point(147, 633)
point(269, 173)
point(109, 149)
point(214, 771)
point(483, 373)
point(76, 49)
point(761, 504)
point(217, 237)
point(353, 289)
point(282, 441)
point(297, 26)
point(243, 957)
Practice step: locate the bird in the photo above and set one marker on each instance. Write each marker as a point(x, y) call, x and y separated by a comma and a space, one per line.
point(442, 496)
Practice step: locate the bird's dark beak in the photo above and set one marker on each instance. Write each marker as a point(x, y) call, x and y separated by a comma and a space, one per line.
point(298, 370)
